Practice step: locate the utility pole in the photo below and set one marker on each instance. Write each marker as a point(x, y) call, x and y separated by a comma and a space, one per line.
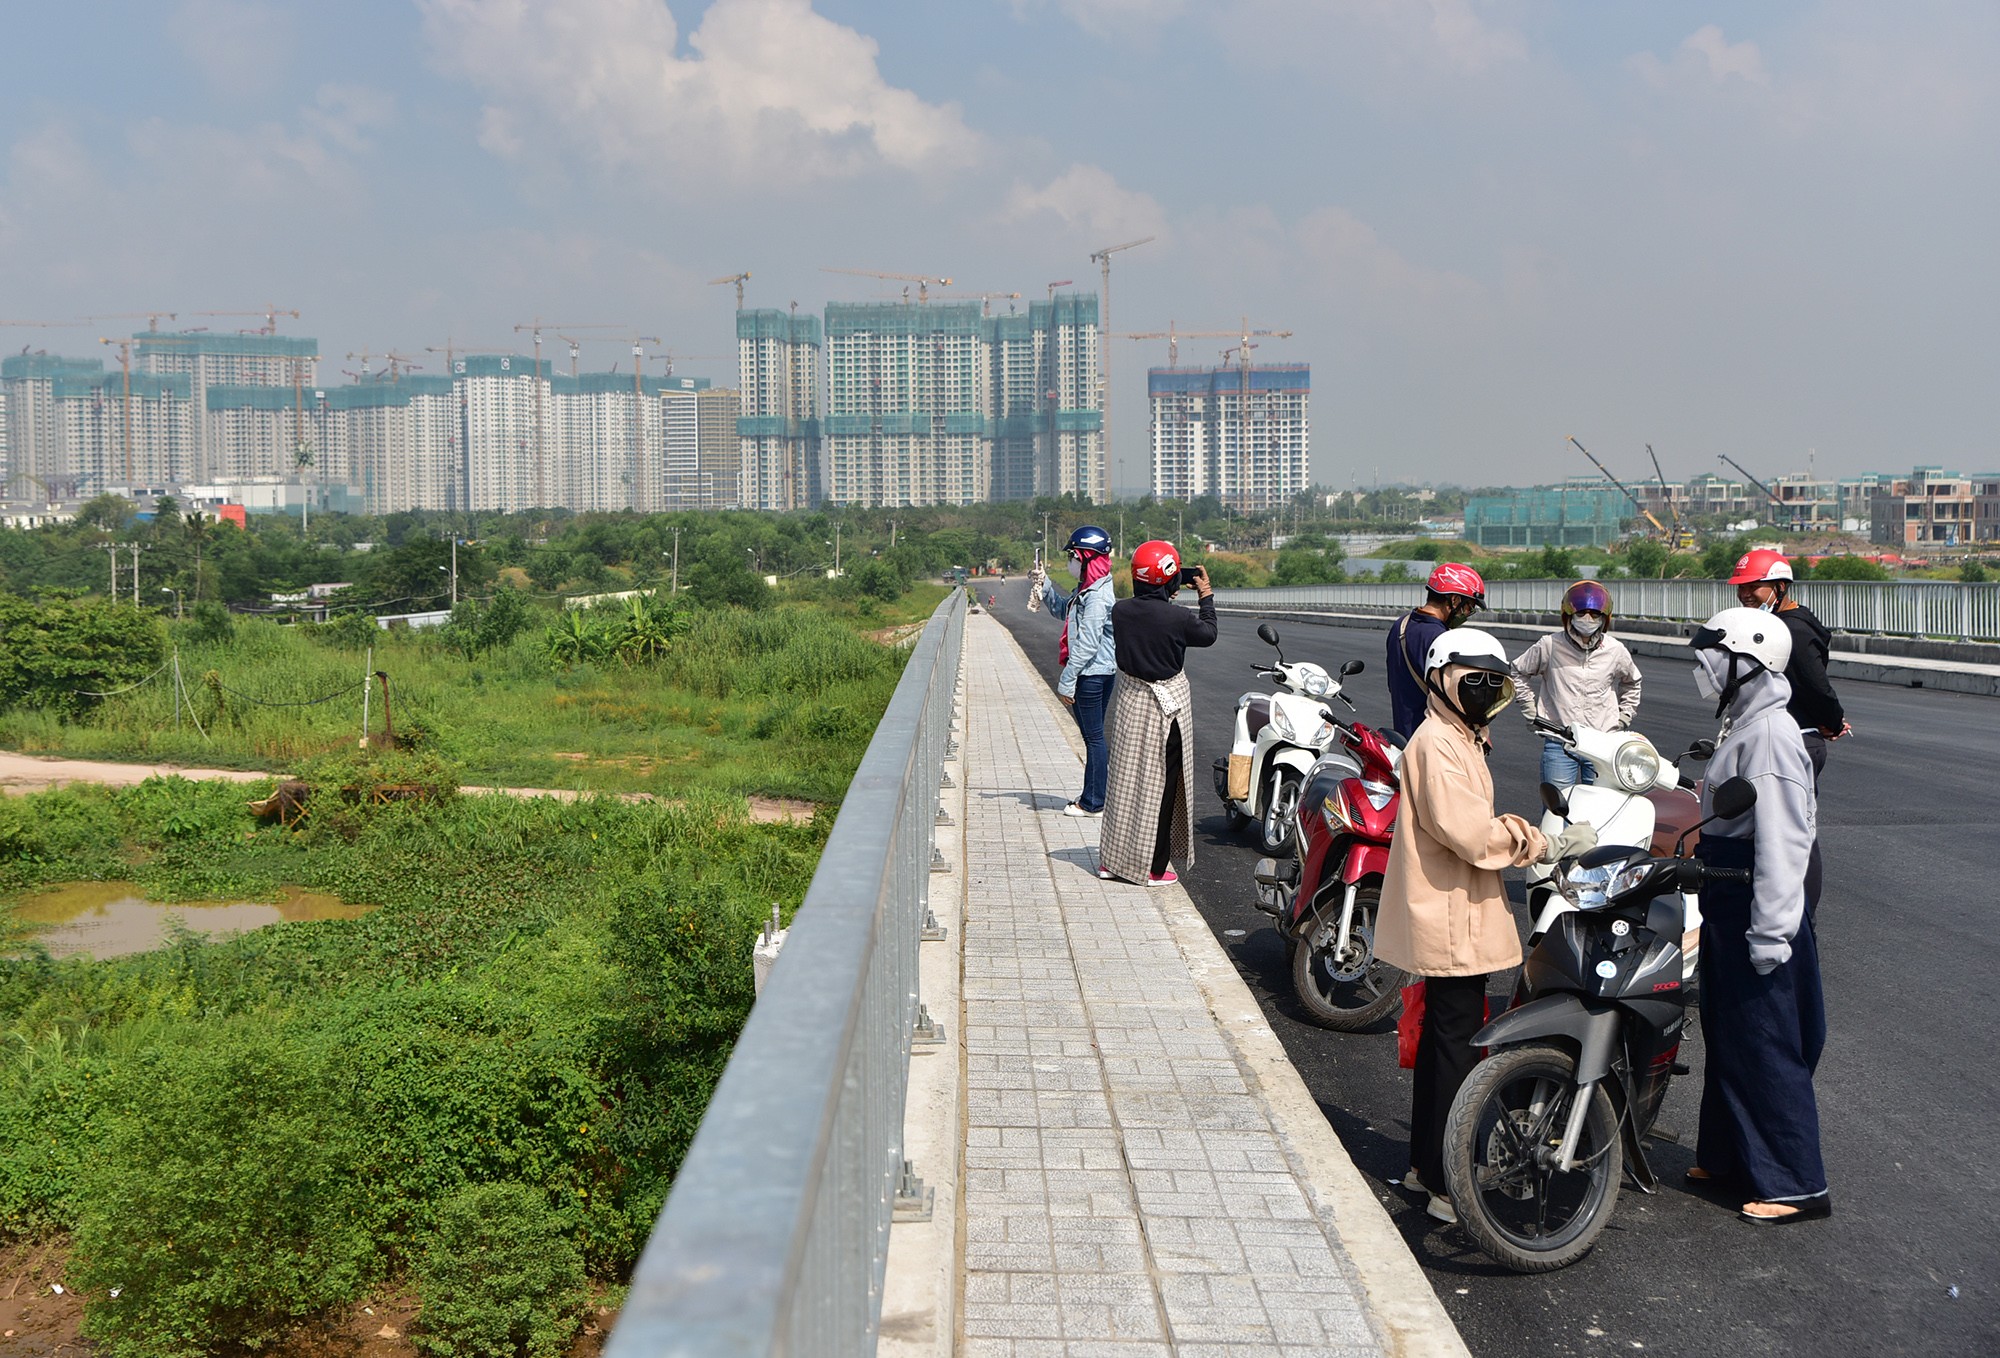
point(1045, 537)
point(454, 570)
point(112, 548)
point(675, 588)
point(135, 572)
point(836, 548)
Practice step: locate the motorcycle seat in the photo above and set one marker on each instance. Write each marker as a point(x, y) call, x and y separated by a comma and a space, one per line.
point(1256, 716)
point(1392, 737)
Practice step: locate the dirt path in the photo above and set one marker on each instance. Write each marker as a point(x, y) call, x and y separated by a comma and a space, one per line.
point(24, 773)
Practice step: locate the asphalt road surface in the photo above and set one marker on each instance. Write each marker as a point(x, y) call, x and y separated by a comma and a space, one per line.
point(1908, 1088)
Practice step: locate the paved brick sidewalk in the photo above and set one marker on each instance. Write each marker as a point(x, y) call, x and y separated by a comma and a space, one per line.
point(1128, 1190)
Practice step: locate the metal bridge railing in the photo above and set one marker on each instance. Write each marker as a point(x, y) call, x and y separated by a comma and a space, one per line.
point(775, 1237)
point(1936, 609)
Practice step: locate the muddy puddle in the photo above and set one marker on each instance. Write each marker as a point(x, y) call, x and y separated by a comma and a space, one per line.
point(113, 919)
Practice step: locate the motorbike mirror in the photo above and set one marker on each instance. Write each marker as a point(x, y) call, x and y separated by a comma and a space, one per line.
point(1703, 749)
point(1267, 633)
point(1351, 667)
point(1555, 799)
point(1732, 799)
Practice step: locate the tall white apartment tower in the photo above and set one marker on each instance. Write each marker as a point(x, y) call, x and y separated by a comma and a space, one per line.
point(288, 362)
point(508, 433)
point(1240, 433)
point(1046, 426)
point(778, 429)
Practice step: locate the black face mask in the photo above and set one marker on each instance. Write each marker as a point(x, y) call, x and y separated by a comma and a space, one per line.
point(1481, 697)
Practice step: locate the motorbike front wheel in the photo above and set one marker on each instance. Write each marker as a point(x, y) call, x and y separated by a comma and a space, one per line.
point(1503, 1160)
point(1281, 803)
point(1345, 990)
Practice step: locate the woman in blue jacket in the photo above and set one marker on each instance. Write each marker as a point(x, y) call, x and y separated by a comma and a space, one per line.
point(1089, 661)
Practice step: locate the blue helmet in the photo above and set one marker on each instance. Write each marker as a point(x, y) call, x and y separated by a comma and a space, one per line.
point(1089, 538)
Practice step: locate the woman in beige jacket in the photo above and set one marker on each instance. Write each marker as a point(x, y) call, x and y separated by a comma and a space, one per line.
point(1444, 913)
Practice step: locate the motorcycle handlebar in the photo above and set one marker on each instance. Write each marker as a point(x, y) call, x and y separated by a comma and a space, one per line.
point(1726, 875)
point(1554, 728)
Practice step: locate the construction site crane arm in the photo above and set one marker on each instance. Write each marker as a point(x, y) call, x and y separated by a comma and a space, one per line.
point(924, 282)
point(1637, 503)
point(736, 278)
point(1768, 492)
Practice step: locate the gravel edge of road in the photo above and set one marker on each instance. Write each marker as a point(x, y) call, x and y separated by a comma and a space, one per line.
point(1404, 1307)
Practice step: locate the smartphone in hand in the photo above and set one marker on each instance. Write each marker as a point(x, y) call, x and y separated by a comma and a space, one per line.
point(1190, 575)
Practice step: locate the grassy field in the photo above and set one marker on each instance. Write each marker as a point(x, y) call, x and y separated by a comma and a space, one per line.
point(779, 702)
point(239, 1135)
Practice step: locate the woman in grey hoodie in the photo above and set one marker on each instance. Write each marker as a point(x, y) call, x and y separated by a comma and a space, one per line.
point(1763, 1016)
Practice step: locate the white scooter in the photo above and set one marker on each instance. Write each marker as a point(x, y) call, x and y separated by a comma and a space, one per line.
point(1278, 738)
point(1640, 799)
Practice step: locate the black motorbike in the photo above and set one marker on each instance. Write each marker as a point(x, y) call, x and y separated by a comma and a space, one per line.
point(1542, 1134)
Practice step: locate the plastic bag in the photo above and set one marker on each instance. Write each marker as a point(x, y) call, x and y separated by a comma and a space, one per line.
point(1410, 1024)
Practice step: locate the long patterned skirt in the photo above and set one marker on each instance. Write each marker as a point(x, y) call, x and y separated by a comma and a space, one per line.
point(1144, 716)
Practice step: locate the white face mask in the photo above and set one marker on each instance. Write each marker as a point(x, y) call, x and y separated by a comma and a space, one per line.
point(1768, 606)
point(1704, 681)
point(1076, 567)
point(1586, 627)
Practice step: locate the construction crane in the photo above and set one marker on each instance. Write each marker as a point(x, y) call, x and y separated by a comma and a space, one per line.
point(151, 318)
point(672, 358)
point(1769, 493)
point(270, 313)
point(1174, 336)
point(397, 362)
point(1683, 539)
point(923, 281)
point(1103, 259)
point(451, 349)
point(738, 279)
point(1637, 503)
point(985, 299)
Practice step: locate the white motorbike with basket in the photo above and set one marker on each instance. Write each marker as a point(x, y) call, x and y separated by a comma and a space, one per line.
point(1278, 738)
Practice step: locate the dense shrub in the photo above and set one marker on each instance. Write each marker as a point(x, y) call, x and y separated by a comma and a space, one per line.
point(58, 655)
point(499, 1278)
point(219, 1205)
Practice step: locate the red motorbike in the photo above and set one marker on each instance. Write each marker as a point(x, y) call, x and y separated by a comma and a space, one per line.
point(1325, 896)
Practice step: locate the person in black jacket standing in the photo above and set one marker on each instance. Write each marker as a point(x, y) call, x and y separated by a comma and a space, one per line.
point(1763, 579)
point(1149, 805)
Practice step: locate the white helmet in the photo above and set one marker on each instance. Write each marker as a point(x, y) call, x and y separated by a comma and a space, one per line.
point(1748, 632)
point(1482, 695)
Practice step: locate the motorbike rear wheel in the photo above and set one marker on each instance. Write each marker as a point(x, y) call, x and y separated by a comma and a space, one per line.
point(1502, 1160)
point(1345, 992)
point(1281, 803)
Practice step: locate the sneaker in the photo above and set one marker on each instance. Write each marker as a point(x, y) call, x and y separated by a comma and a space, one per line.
point(1413, 1183)
point(1107, 874)
point(1441, 1208)
point(1076, 809)
point(1167, 878)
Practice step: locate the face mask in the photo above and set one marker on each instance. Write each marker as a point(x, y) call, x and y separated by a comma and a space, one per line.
point(1768, 606)
point(1586, 627)
point(1076, 567)
point(1704, 682)
point(1483, 696)
point(1458, 617)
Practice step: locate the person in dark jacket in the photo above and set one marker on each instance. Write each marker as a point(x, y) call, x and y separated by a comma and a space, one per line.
point(1763, 580)
point(1149, 805)
point(1455, 593)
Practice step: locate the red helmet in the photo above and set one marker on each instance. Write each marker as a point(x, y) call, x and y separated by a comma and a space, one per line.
point(1754, 568)
point(1452, 578)
point(1156, 563)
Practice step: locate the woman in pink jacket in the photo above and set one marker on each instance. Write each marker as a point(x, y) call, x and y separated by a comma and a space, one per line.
point(1444, 913)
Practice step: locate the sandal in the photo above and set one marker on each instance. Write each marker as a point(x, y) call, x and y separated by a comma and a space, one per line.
point(1815, 1209)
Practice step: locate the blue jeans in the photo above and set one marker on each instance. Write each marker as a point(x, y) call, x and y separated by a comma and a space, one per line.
point(1093, 696)
point(1562, 768)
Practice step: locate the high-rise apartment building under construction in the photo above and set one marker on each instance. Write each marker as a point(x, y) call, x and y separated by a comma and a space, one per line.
point(1238, 432)
point(778, 429)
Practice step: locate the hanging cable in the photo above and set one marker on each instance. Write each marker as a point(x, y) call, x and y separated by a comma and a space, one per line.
point(92, 693)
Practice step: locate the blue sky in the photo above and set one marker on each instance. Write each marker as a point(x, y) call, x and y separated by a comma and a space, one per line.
point(1754, 228)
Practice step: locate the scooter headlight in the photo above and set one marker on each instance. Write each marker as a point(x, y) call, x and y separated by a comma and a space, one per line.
point(1282, 724)
point(1586, 886)
point(1636, 766)
point(1628, 879)
point(1333, 810)
point(1318, 686)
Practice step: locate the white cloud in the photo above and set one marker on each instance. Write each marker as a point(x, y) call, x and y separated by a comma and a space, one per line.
point(1705, 56)
point(240, 47)
point(773, 92)
point(346, 115)
point(1090, 203)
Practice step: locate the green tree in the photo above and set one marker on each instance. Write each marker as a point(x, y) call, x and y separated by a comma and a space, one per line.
point(1973, 571)
point(1303, 566)
point(57, 655)
point(1645, 558)
point(1848, 568)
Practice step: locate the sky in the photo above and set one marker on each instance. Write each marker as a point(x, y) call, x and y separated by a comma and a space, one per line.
point(1763, 228)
